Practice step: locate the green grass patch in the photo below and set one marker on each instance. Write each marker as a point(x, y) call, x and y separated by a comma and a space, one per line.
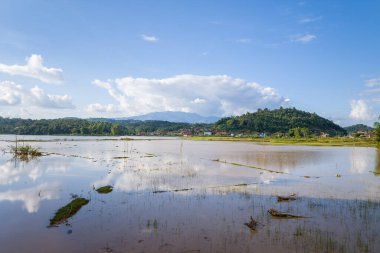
point(121, 157)
point(68, 211)
point(104, 189)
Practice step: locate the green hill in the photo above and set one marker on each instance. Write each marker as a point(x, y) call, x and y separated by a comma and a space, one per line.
point(283, 120)
point(358, 127)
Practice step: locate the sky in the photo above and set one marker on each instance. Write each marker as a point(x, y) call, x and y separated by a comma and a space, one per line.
point(69, 58)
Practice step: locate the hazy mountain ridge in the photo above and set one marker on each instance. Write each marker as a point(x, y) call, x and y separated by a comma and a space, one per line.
point(170, 116)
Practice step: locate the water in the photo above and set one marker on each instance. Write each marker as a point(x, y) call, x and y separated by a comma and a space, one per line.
point(172, 195)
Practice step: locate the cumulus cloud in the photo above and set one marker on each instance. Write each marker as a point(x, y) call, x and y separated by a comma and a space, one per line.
point(10, 93)
point(14, 94)
point(34, 68)
point(306, 38)
point(99, 108)
point(218, 95)
point(309, 19)
point(42, 99)
point(149, 38)
point(360, 110)
point(199, 101)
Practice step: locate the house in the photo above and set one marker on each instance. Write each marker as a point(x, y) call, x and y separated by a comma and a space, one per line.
point(207, 133)
point(324, 135)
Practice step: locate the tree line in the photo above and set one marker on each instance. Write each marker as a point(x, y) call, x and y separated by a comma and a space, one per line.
point(75, 126)
point(288, 122)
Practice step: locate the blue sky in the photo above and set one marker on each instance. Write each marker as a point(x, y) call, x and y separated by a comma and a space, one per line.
point(123, 58)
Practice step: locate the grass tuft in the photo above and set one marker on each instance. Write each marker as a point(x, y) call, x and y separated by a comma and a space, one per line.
point(105, 189)
point(68, 211)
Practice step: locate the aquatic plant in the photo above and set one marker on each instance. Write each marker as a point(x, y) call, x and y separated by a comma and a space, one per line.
point(104, 189)
point(25, 153)
point(278, 214)
point(252, 224)
point(68, 211)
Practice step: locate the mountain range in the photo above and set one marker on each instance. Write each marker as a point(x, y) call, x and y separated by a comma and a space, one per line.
point(180, 117)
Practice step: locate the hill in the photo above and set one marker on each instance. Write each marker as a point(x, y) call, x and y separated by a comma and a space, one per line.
point(283, 120)
point(358, 127)
point(179, 117)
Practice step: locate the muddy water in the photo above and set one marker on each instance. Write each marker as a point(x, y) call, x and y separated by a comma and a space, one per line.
point(172, 195)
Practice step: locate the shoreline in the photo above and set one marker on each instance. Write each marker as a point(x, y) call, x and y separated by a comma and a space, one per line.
point(330, 142)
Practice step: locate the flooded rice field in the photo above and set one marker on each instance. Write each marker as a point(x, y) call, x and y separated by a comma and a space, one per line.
point(172, 195)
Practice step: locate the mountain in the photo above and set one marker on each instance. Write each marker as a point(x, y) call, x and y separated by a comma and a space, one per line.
point(358, 127)
point(183, 117)
point(283, 120)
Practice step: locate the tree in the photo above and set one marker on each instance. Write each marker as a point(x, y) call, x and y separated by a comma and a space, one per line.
point(116, 130)
point(305, 132)
point(377, 132)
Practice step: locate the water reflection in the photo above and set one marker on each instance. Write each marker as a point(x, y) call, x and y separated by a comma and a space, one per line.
point(361, 160)
point(377, 166)
point(32, 197)
point(210, 217)
point(11, 173)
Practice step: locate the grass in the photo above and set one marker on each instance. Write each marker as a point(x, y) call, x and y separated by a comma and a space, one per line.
point(26, 150)
point(315, 141)
point(25, 153)
point(68, 211)
point(105, 189)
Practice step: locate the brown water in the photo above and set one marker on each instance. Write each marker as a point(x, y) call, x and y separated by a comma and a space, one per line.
point(172, 195)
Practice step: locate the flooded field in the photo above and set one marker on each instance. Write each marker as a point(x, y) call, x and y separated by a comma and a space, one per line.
point(171, 195)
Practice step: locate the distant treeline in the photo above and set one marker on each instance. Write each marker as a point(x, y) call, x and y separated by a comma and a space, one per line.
point(74, 126)
point(287, 122)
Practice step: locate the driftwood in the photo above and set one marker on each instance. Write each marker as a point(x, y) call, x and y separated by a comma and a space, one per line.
point(278, 214)
point(286, 198)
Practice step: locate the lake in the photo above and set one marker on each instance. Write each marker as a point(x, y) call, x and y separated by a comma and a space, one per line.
point(173, 195)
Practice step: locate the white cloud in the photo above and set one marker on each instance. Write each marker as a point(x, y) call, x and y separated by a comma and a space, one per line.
point(10, 93)
point(244, 40)
point(309, 19)
point(219, 95)
point(199, 101)
point(40, 98)
point(306, 38)
point(99, 108)
point(149, 38)
point(14, 94)
point(360, 110)
point(34, 68)
point(371, 83)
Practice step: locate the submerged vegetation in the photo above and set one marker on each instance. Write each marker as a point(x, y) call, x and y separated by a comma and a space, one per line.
point(26, 152)
point(278, 214)
point(104, 189)
point(68, 211)
point(252, 224)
